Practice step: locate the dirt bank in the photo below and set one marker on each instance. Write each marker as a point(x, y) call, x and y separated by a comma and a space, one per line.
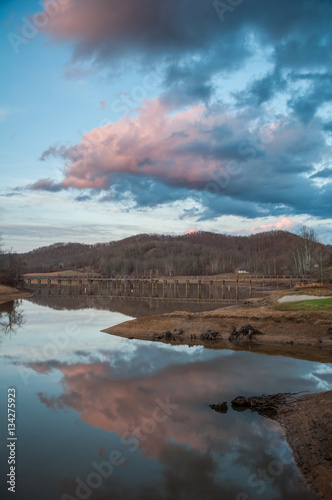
point(278, 327)
point(308, 426)
point(8, 293)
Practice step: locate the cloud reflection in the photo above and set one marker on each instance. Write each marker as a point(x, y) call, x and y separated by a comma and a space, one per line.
point(194, 453)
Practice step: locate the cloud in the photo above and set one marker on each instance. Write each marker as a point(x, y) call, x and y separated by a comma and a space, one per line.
point(188, 37)
point(317, 93)
point(284, 224)
point(54, 151)
point(191, 230)
point(261, 90)
point(325, 173)
point(228, 162)
point(46, 185)
point(102, 104)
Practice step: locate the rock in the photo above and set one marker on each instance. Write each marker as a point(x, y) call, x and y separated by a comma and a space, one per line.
point(220, 407)
point(169, 336)
point(242, 402)
point(247, 332)
point(209, 335)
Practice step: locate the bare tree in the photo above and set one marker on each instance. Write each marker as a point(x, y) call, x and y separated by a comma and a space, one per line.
point(11, 267)
point(304, 252)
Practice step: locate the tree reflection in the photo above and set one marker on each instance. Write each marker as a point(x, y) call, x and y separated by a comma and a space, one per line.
point(11, 318)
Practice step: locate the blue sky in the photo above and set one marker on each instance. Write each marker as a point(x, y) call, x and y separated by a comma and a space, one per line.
point(124, 117)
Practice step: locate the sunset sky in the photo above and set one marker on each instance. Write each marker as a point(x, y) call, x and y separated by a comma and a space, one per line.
point(121, 117)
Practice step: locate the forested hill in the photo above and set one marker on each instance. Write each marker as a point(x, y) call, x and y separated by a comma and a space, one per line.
point(192, 254)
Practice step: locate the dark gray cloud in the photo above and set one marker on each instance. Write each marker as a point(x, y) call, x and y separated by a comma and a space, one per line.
point(195, 41)
point(261, 90)
point(46, 185)
point(325, 173)
point(328, 127)
point(318, 92)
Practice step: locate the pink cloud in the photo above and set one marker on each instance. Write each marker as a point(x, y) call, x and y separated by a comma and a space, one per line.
point(191, 230)
point(177, 149)
point(284, 224)
point(123, 405)
point(102, 104)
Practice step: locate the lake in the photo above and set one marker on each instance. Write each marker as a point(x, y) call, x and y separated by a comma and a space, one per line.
point(100, 417)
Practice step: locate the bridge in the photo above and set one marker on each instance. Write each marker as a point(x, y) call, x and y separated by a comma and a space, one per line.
point(227, 287)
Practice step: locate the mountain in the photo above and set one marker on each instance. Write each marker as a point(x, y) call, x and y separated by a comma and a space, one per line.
point(195, 253)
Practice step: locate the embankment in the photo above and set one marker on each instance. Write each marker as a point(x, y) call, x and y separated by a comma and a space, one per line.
point(8, 293)
point(307, 424)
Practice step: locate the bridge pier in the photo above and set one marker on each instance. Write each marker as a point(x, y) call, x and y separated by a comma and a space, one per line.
point(199, 289)
point(176, 289)
point(154, 288)
point(211, 289)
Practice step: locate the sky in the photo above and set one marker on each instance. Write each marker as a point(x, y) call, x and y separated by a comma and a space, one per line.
point(120, 117)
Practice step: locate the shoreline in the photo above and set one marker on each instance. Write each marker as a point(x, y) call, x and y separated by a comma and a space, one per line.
point(283, 332)
point(307, 425)
point(9, 293)
point(300, 335)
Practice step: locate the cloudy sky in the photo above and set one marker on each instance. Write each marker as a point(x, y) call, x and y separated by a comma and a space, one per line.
point(121, 117)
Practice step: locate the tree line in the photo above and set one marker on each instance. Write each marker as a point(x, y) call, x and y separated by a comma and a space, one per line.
point(201, 253)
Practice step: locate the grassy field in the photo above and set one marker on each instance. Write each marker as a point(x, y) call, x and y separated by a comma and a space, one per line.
point(306, 305)
point(321, 290)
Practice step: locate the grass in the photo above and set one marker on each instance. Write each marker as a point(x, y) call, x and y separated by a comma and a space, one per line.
point(311, 291)
point(307, 305)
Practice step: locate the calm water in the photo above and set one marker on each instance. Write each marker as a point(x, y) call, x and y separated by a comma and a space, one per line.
point(102, 417)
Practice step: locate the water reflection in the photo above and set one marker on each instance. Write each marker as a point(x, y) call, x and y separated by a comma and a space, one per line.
point(162, 422)
point(129, 306)
point(148, 402)
point(11, 317)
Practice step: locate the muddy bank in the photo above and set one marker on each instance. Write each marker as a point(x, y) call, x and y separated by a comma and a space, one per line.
point(308, 426)
point(8, 293)
point(278, 328)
